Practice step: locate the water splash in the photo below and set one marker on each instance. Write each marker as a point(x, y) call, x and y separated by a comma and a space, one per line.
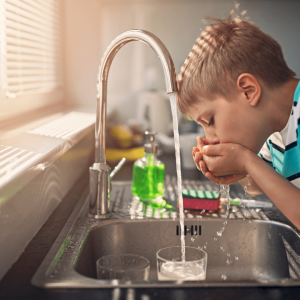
point(172, 97)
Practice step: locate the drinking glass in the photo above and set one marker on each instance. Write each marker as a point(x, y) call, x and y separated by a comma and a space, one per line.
point(123, 267)
point(171, 267)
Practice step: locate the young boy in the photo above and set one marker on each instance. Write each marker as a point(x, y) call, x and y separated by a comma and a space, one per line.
point(237, 85)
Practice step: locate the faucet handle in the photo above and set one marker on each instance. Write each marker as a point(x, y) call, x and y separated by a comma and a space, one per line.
point(117, 168)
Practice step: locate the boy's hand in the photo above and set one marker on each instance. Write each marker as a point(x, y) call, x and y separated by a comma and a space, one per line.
point(200, 160)
point(197, 155)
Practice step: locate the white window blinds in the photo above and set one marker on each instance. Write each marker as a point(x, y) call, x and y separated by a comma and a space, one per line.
point(31, 47)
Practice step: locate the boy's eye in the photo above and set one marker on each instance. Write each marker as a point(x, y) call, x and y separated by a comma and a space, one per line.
point(211, 121)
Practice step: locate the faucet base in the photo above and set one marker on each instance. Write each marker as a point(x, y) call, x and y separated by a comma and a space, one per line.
point(97, 217)
point(99, 190)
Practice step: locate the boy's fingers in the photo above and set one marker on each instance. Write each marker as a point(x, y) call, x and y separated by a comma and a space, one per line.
point(212, 150)
point(198, 157)
point(200, 142)
point(195, 150)
point(203, 166)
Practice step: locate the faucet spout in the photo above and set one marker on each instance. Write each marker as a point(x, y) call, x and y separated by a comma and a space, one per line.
point(99, 172)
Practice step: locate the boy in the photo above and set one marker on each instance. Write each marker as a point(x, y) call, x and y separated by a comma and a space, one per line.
point(236, 84)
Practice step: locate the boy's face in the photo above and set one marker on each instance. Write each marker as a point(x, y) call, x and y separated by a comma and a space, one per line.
point(231, 121)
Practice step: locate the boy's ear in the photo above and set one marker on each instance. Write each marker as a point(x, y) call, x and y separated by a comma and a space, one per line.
point(250, 88)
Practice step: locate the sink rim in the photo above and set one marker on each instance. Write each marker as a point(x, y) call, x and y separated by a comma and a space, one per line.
point(72, 279)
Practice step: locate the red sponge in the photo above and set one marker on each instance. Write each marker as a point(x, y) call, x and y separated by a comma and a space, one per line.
point(207, 200)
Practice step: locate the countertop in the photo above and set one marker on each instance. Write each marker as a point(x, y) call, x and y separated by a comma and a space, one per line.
point(16, 283)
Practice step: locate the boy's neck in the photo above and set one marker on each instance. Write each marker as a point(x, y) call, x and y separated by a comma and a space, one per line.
point(283, 98)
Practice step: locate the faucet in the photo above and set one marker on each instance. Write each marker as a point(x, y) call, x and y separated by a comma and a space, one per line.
point(100, 171)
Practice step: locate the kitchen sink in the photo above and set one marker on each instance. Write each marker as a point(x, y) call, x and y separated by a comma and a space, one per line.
point(253, 250)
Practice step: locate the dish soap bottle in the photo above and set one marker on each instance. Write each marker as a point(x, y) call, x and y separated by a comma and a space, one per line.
point(148, 174)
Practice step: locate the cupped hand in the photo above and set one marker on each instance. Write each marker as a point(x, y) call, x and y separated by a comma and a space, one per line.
point(228, 179)
point(224, 159)
point(200, 159)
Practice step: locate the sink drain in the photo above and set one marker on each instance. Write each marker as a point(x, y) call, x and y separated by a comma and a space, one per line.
point(193, 230)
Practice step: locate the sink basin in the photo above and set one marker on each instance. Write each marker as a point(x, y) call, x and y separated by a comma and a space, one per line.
point(252, 251)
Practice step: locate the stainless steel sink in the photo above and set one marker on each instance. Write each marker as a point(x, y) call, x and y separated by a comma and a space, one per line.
point(252, 251)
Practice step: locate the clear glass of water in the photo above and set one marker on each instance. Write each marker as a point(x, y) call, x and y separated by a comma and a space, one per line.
point(123, 267)
point(171, 267)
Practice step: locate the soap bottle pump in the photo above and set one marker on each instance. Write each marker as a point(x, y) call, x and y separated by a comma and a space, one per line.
point(148, 174)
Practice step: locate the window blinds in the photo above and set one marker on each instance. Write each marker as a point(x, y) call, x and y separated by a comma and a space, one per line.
point(31, 46)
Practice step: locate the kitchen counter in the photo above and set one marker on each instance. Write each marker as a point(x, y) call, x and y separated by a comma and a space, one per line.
point(16, 283)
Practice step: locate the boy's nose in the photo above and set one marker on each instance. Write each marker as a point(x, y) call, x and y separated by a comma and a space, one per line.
point(211, 138)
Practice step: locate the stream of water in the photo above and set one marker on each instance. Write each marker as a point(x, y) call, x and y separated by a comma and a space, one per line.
point(224, 190)
point(172, 97)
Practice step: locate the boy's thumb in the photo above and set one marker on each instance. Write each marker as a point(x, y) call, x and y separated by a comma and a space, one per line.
point(205, 150)
point(211, 150)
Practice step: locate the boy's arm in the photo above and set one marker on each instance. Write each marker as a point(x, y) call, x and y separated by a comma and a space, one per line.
point(223, 159)
point(250, 186)
point(283, 194)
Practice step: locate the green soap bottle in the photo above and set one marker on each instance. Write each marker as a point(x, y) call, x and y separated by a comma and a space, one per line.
point(148, 174)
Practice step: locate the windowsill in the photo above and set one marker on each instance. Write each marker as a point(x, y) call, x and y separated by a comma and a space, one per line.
point(29, 151)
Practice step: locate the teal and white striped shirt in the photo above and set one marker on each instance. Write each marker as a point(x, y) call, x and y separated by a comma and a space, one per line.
point(282, 149)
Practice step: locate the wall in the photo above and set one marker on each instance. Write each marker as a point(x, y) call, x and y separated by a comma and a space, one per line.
point(82, 49)
point(91, 25)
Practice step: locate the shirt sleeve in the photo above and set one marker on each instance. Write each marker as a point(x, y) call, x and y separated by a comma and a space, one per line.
point(265, 154)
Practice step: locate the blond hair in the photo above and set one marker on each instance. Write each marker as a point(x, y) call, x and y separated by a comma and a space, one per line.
point(225, 50)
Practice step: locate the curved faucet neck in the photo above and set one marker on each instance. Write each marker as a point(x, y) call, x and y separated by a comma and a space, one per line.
point(124, 38)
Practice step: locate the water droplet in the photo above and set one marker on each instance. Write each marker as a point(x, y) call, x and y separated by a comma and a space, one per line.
point(204, 247)
point(215, 238)
point(236, 258)
point(192, 239)
point(250, 221)
point(224, 277)
point(228, 254)
point(219, 233)
point(228, 262)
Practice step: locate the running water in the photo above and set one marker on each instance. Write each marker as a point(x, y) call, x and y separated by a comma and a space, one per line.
point(224, 190)
point(172, 97)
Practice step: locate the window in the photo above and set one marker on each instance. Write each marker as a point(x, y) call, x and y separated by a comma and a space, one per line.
point(30, 55)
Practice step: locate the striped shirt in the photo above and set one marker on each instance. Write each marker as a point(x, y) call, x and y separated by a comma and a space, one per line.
point(282, 149)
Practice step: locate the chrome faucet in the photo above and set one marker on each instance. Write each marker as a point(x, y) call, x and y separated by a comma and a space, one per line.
point(100, 171)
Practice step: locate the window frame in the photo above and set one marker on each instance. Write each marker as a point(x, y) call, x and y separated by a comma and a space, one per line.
point(11, 108)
